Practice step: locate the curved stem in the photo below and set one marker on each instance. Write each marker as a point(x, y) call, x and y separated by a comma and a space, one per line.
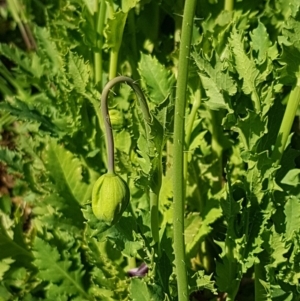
point(106, 118)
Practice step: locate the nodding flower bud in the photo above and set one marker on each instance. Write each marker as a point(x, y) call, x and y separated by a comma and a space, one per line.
point(110, 198)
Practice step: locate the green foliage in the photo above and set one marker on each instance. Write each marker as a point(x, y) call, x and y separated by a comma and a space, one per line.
point(242, 180)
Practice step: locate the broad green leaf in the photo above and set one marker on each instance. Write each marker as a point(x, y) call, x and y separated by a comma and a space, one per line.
point(292, 213)
point(114, 30)
point(260, 42)
point(4, 266)
point(200, 227)
point(66, 172)
point(158, 81)
point(4, 293)
point(124, 235)
point(12, 242)
point(228, 268)
point(251, 129)
point(279, 248)
point(127, 5)
point(140, 291)
point(292, 178)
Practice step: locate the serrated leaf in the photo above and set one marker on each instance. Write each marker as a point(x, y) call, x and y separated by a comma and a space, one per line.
point(114, 30)
point(228, 283)
point(66, 172)
point(78, 72)
point(13, 245)
point(57, 270)
point(139, 291)
point(26, 63)
point(12, 159)
point(260, 42)
point(124, 235)
point(216, 81)
point(245, 67)
point(204, 282)
point(278, 247)
point(24, 112)
point(251, 129)
point(47, 51)
point(158, 81)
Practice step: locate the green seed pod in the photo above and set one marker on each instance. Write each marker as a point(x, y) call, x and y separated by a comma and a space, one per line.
point(110, 198)
point(116, 119)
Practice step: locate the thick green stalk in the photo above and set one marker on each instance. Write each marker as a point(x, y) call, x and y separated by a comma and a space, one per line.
point(100, 26)
point(286, 124)
point(113, 63)
point(178, 178)
point(228, 5)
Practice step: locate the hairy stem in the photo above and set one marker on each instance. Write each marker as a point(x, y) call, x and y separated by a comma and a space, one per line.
point(106, 117)
point(178, 178)
point(100, 26)
point(286, 124)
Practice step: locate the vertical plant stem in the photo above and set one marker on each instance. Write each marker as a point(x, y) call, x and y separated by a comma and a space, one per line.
point(178, 178)
point(189, 128)
point(113, 63)
point(98, 54)
point(286, 124)
point(228, 5)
